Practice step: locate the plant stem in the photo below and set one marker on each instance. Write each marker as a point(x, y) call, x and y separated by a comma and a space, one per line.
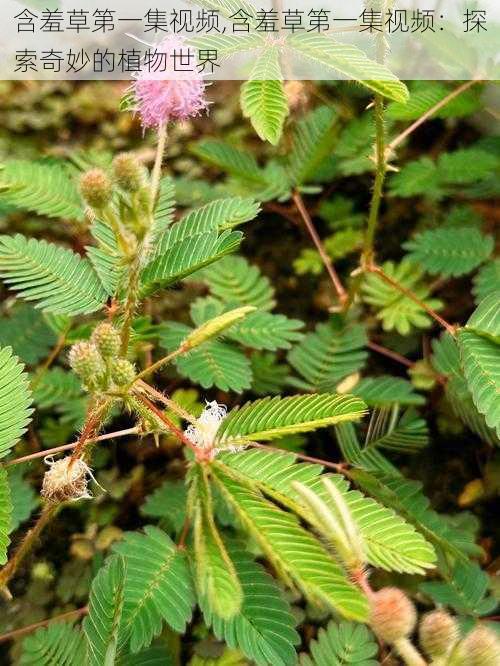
point(339, 288)
point(171, 404)
point(409, 653)
point(27, 544)
point(399, 358)
point(338, 467)
point(378, 185)
point(177, 432)
point(68, 447)
point(428, 114)
point(156, 174)
point(163, 361)
point(92, 424)
point(372, 268)
point(17, 633)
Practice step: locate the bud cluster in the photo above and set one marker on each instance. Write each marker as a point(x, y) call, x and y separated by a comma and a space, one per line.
point(97, 363)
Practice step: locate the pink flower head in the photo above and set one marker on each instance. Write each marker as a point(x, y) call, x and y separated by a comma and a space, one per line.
point(169, 94)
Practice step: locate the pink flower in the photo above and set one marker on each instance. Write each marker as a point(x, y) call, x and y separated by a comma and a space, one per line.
point(169, 94)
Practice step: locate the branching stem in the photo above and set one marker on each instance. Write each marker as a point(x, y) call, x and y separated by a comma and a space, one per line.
point(18, 633)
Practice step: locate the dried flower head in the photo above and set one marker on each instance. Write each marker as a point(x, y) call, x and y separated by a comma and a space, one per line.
point(392, 614)
point(203, 433)
point(169, 95)
point(66, 479)
point(296, 93)
point(438, 633)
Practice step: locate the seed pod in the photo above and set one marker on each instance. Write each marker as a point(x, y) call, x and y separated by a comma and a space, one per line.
point(66, 479)
point(107, 340)
point(96, 189)
point(122, 371)
point(86, 361)
point(438, 633)
point(129, 172)
point(392, 614)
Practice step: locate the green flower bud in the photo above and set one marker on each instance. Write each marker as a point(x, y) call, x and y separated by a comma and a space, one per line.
point(392, 614)
point(107, 340)
point(96, 189)
point(85, 360)
point(122, 371)
point(129, 172)
point(438, 633)
point(479, 648)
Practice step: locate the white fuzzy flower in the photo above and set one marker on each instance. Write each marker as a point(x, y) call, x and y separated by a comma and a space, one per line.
point(203, 433)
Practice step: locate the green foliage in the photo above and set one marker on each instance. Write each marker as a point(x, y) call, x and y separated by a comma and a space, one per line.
point(450, 252)
point(59, 280)
point(263, 98)
point(271, 418)
point(396, 310)
point(167, 502)
point(158, 586)
point(333, 351)
point(15, 401)
point(44, 188)
point(5, 514)
point(59, 644)
point(487, 280)
point(340, 645)
point(424, 95)
point(386, 390)
point(102, 624)
point(313, 142)
point(23, 496)
point(269, 376)
point(264, 627)
point(27, 333)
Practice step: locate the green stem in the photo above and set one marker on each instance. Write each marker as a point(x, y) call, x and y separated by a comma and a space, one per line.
point(408, 653)
point(378, 186)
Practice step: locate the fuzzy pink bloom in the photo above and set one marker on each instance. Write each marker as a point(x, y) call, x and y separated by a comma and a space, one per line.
point(169, 95)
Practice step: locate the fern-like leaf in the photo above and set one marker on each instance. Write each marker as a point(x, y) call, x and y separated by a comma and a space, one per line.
point(59, 644)
point(395, 309)
point(158, 586)
point(44, 188)
point(313, 142)
point(295, 554)
point(485, 320)
point(5, 514)
point(58, 279)
point(263, 98)
point(27, 332)
point(351, 62)
point(271, 418)
point(386, 390)
point(343, 644)
point(23, 496)
point(329, 354)
point(102, 624)
point(450, 252)
point(264, 627)
point(15, 401)
point(487, 281)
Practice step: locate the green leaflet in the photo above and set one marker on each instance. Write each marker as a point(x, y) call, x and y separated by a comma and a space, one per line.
point(216, 578)
point(295, 554)
point(45, 188)
point(15, 401)
point(487, 280)
point(5, 514)
point(102, 624)
point(270, 418)
point(314, 139)
point(450, 252)
point(23, 496)
point(158, 586)
point(486, 317)
point(386, 390)
point(333, 351)
point(58, 279)
point(342, 644)
point(390, 542)
point(263, 98)
point(59, 643)
point(264, 627)
point(28, 333)
point(481, 364)
point(351, 62)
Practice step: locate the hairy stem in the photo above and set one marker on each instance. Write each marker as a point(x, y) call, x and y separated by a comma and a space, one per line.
point(18, 633)
point(372, 268)
point(408, 652)
point(156, 175)
point(163, 361)
point(27, 544)
point(339, 288)
point(378, 186)
point(177, 432)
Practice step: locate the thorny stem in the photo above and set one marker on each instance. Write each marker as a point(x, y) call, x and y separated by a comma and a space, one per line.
point(372, 268)
point(92, 424)
point(68, 447)
point(27, 544)
point(171, 404)
point(380, 172)
point(428, 114)
point(17, 633)
point(339, 288)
